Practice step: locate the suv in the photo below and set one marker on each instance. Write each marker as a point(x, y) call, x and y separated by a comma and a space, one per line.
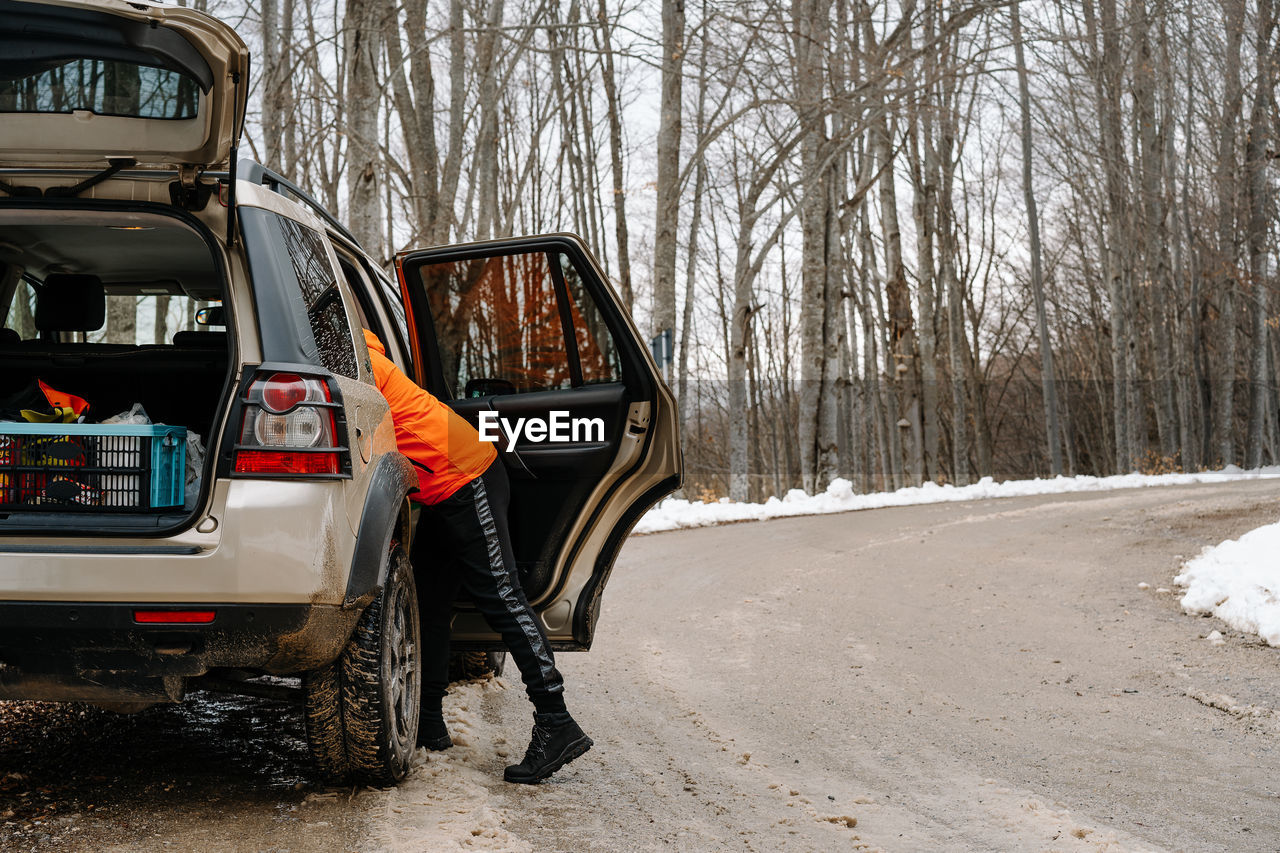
point(122, 205)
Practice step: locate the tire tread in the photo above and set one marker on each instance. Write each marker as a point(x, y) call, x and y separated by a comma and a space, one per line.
point(348, 721)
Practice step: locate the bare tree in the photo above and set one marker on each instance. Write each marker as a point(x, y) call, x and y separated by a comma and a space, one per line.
point(1228, 275)
point(614, 109)
point(1258, 191)
point(362, 29)
point(1048, 376)
point(667, 204)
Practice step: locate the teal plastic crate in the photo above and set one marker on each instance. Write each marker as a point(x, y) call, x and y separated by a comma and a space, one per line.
point(92, 467)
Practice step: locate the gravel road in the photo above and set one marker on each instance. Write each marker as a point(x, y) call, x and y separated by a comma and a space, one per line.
point(980, 676)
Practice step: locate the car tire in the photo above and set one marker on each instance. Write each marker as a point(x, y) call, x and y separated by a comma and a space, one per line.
point(362, 709)
point(467, 665)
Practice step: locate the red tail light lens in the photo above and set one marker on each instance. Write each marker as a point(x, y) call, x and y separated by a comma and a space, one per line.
point(173, 617)
point(282, 391)
point(284, 462)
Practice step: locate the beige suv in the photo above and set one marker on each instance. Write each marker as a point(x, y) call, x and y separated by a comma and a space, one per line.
point(140, 263)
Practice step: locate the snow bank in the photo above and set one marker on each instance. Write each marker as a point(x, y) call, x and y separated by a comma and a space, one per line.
point(674, 514)
point(1239, 582)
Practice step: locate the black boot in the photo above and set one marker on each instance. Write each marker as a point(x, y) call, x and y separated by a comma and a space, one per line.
point(552, 747)
point(433, 733)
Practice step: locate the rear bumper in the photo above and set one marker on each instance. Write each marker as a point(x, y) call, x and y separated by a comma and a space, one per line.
point(96, 652)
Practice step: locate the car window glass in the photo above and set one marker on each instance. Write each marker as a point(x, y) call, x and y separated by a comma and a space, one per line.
point(497, 322)
point(367, 319)
point(320, 295)
point(131, 318)
point(368, 287)
point(394, 303)
point(597, 352)
point(149, 318)
point(517, 323)
point(20, 318)
point(102, 87)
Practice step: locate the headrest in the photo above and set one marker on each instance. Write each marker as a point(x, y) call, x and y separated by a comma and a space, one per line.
point(70, 302)
point(9, 336)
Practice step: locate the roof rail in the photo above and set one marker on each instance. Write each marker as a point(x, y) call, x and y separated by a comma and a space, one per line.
point(256, 173)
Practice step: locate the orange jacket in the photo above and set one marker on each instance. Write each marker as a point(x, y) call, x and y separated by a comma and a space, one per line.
point(446, 450)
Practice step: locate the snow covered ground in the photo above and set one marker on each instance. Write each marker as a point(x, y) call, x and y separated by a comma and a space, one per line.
point(448, 802)
point(674, 514)
point(1239, 582)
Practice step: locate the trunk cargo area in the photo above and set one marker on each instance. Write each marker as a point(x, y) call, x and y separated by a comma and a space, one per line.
point(103, 319)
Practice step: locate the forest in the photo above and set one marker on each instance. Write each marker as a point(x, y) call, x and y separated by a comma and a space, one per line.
point(890, 241)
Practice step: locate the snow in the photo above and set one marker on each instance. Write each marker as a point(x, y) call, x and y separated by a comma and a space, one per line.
point(1238, 581)
point(675, 514)
point(449, 802)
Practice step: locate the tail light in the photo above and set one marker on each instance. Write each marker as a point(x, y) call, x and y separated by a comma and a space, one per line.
point(174, 617)
point(289, 428)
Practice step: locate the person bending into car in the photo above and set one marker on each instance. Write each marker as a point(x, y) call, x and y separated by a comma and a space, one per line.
point(464, 487)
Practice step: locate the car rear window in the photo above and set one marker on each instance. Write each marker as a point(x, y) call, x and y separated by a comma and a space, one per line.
point(103, 87)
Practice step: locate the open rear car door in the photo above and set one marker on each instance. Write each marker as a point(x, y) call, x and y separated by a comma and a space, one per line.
point(524, 337)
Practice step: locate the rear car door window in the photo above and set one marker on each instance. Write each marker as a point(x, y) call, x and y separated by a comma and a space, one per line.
point(516, 324)
point(597, 353)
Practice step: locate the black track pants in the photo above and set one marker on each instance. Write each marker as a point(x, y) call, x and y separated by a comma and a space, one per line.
point(465, 542)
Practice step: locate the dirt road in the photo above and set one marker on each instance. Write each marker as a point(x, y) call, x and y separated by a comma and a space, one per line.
point(983, 676)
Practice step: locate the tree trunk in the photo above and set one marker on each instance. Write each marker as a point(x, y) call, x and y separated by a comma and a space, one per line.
point(288, 162)
point(921, 145)
point(489, 212)
point(361, 37)
point(413, 96)
point(739, 329)
point(614, 108)
point(1223, 387)
point(810, 22)
point(1257, 185)
point(878, 406)
point(452, 170)
point(23, 322)
point(695, 225)
point(1048, 376)
point(160, 321)
point(122, 320)
point(1108, 72)
point(1154, 238)
point(667, 204)
point(957, 347)
point(272, 118)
